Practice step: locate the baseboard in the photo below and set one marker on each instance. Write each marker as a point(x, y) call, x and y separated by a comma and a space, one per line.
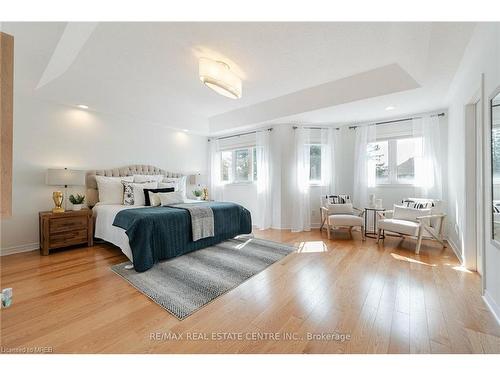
point(19, 249)
point(313, 226)
point(492, 305)
point(455, 249)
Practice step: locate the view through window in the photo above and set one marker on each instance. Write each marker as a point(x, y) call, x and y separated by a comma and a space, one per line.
point(394, 160)
point(239, 165)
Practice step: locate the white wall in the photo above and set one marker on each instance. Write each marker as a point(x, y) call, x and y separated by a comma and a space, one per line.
point(48, 135)
point(482, 56)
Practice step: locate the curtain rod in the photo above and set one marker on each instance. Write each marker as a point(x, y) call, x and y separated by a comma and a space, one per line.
point(399, 120)
point(241, 134)
point(315, 128)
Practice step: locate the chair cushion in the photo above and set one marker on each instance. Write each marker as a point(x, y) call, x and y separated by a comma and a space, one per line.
point(409, 228)
point(340, 208)
point(407, 213)
point(347, 220)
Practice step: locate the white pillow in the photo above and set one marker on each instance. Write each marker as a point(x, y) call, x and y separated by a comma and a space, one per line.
point(179, 184)
point(410, 214)
point(111, 189)
point(162, 185)
point(148, 177)
point(171, 198)
point(154, 199)
point(340, 208)
point(138, 191)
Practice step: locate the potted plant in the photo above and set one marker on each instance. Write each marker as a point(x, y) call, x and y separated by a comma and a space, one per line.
point(77, 201)
point(198, 193)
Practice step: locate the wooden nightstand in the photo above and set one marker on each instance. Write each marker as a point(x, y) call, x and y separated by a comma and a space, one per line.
point(65, 229)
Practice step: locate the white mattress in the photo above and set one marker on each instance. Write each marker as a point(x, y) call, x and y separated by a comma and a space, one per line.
point(104, 215)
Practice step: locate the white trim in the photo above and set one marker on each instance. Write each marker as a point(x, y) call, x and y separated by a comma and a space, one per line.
point(492, 305)
point(455, 249)
point(19, 249)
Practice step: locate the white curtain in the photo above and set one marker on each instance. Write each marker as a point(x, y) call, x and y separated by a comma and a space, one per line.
point(329, 175)
point(216, 187)
point(428, 175)
point(364, 166)
point(264, 213)
point(301, 211)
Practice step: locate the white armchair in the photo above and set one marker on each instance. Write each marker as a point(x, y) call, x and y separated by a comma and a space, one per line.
point(416, 218)
point(339, 213)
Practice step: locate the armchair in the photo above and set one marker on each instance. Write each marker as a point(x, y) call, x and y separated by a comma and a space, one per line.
point(337, 212)
point(416, 218)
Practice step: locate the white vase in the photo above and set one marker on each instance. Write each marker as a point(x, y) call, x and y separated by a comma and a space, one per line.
point(77, 207)
point(371, 200)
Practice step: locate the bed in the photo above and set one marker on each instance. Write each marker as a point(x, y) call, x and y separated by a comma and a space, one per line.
point(147, 235)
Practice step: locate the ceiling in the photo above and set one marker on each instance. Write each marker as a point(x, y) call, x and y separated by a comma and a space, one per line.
point(150, 70)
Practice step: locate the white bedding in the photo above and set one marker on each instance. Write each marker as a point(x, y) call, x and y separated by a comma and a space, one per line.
point(104, 215)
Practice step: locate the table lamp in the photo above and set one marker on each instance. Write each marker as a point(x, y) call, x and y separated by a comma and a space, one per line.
point(200, 180)
point(63, 177)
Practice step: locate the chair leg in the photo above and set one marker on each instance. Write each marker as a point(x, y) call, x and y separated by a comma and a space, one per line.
point(419, 241)
point(350, 233)
point(363, 233)
point(328, 229)
point(379, 235)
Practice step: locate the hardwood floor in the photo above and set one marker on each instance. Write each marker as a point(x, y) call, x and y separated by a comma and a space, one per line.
point(385, 297)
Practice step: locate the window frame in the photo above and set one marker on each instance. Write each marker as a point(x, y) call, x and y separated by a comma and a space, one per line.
point(392, 157)
point(252, 154)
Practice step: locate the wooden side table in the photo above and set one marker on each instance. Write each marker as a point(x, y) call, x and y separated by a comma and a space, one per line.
point(65, 229)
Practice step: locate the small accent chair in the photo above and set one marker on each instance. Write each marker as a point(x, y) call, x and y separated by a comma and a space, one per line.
point(337, 212)
point(416, 218)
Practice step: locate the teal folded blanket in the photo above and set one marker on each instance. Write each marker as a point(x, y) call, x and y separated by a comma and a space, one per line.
point(158, 233)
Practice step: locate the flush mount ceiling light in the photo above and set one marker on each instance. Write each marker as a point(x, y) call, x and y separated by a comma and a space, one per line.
point(218, 76)
point(390, 108)
point(83, 106)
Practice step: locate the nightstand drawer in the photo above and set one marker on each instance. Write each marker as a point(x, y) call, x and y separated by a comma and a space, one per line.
point(58, 230)
point(67, 223)
point(68, 238)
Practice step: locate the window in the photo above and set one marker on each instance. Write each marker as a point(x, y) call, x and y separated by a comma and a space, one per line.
point(392, 161)
point(239, 165)
point(226, 165)
point(379, 155)
point(314, 164)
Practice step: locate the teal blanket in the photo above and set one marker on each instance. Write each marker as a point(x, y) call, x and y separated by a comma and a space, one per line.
point(158, 233)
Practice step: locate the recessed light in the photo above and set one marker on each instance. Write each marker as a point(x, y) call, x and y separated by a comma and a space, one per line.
point(185, 130)
point(83, 106)
point(390, 108)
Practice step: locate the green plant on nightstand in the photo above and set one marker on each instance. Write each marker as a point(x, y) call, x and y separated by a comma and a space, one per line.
point(198, 193)
point(77, 201)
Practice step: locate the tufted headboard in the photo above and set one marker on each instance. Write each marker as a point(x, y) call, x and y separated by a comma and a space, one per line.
point(91, 183)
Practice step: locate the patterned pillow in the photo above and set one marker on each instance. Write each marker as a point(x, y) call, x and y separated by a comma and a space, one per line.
point(339, 199)
point(417, 204)
point(133, 192)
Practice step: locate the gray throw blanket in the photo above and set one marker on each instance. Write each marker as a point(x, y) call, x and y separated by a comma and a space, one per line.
point(202, 219)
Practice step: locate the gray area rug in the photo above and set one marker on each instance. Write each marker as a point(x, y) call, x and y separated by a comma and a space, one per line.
point(184, 284)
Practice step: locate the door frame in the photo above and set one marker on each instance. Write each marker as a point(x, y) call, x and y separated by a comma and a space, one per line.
point(475, 208)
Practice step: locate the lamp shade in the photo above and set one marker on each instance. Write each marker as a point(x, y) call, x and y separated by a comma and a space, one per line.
point(218, 76)
point(198, 179)
point(201, 180)
point(65, 177)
